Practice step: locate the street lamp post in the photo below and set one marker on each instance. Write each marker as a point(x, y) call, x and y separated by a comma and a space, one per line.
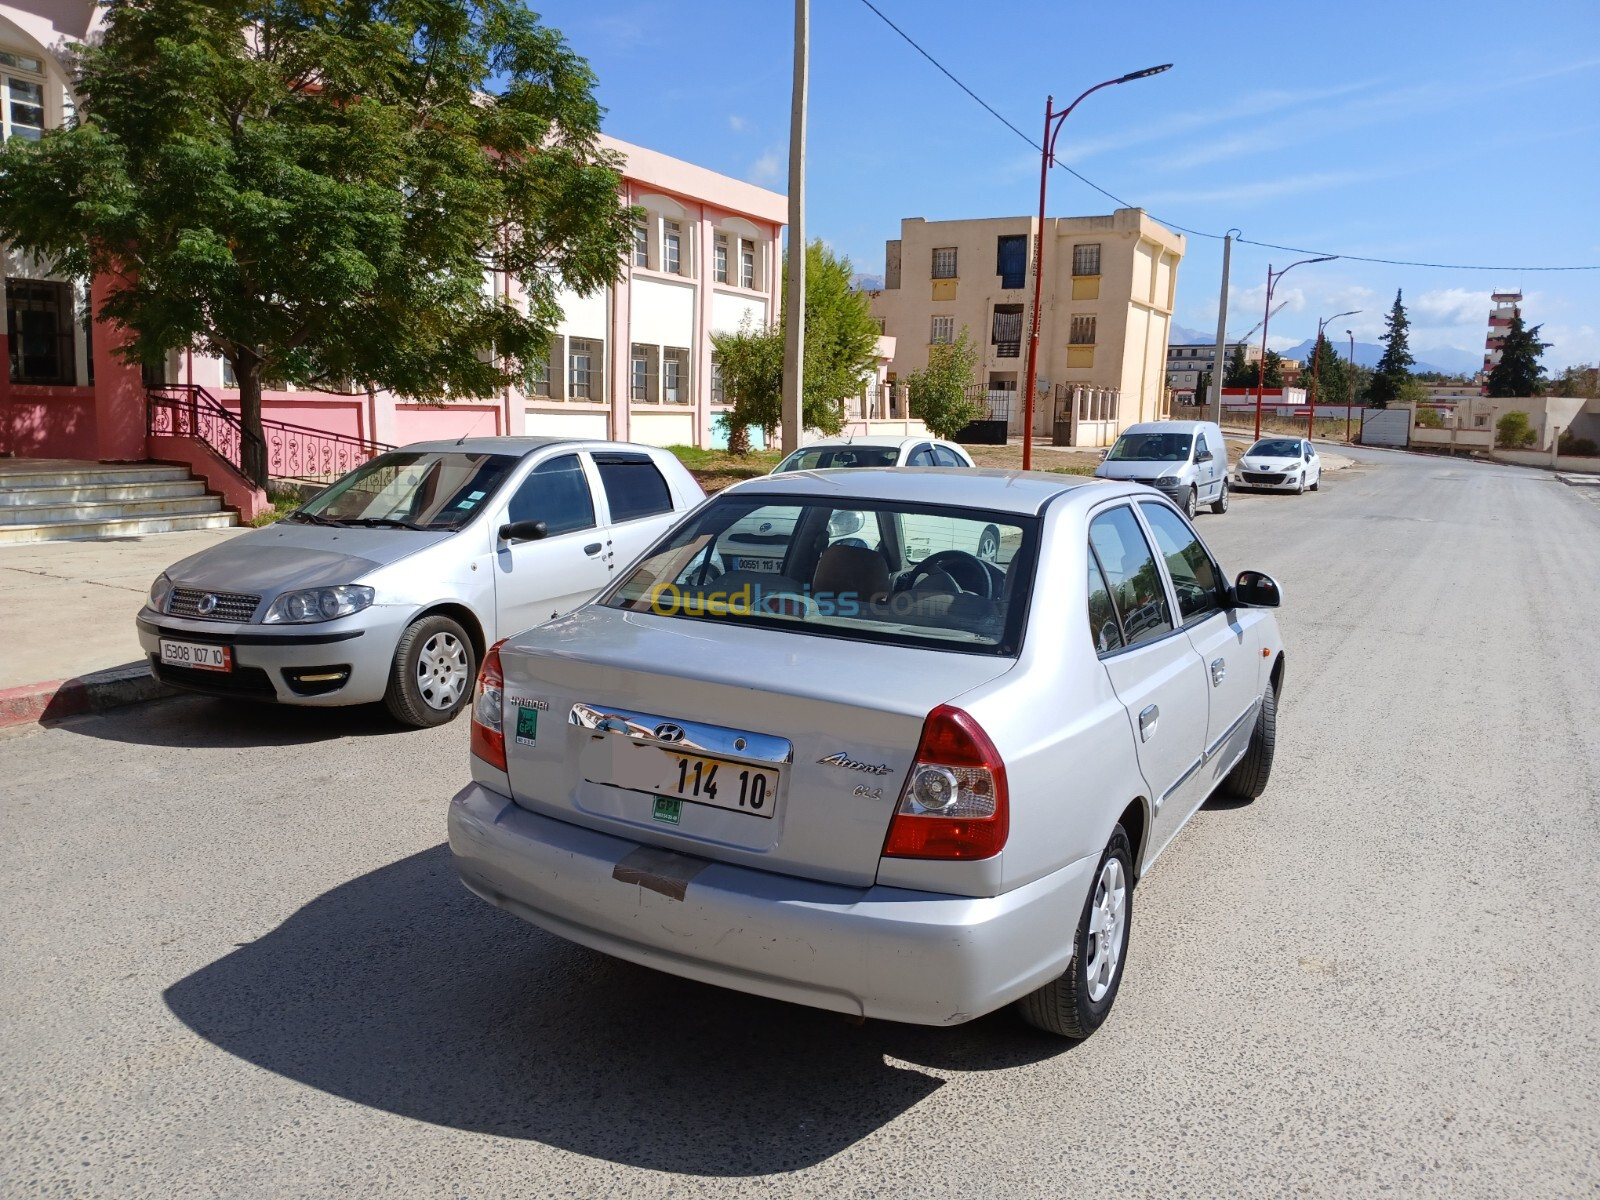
point(1316, 362)
point(1272, 282)
point(1350, 378)
point(1047, 157)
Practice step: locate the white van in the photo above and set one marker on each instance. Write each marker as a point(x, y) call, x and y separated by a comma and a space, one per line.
point(1188, 460)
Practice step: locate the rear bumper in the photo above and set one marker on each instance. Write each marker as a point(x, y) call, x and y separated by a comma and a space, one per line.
point(891, 953)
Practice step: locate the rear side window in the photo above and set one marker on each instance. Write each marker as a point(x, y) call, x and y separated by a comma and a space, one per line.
point(1132, 575)
point(557, 493)
point(946, 457)
point(1103, 625)
point(1194, 577)
point(634, 488)
point(922, 456)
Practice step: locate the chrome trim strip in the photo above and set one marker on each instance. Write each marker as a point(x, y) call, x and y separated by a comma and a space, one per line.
point(1216, 746)
point(1180, 781)
point(696, 737)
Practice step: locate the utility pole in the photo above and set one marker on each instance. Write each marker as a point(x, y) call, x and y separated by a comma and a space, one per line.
point(1222, 331)
point(794, 307)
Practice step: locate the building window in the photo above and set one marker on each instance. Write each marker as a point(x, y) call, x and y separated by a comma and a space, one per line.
point(21, 97)
point(747, 263)
point(580, 365)
point(641, 244)
point(671, 241)
point(1011, 259)
point(642, 375)
point(1082, 333)
point(944, 262)
point(717, 394)
point(39, 323)
point(229, 379)
point(722, 258)
point(539, 382)
point(1007, 333)
point(943, 331)
point(1086, 259)
point(675, 375)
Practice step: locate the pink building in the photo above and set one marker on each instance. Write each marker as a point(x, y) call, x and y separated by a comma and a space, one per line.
point(633, 362)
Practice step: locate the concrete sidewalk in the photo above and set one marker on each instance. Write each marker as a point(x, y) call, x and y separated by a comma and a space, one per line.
point(68, 620)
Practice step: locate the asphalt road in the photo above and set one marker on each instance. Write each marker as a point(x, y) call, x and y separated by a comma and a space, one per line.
point(236, 961)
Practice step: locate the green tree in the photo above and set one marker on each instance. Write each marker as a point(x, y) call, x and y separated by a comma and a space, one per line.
point(1396, 362)
point(1240, 371)
point(1579, 381)
point(841, 349)
point(1325, 378)
point(1518, 372)
point(1202, 388)
point(939, 391)
point(1271, 373)
point(315, 192)
point(1513, 431)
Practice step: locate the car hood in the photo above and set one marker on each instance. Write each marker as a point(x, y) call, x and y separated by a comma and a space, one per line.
point(284, 556)
point(1138, 470)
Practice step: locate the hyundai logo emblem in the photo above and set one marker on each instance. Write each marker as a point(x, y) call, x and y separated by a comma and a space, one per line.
point(207, 603)
point(668, 732)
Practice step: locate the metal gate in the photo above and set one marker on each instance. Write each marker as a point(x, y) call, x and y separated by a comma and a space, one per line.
point(1386, 427)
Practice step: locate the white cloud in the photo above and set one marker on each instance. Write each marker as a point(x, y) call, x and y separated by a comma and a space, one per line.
point(737, 123)
point(1452, 306)
point(766, 170)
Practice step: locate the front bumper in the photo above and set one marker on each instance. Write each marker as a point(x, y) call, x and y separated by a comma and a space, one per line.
point(268, 659)
point(892, 953)
point(1267, 481)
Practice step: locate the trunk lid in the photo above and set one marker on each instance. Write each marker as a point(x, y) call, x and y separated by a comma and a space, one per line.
point(607, 713)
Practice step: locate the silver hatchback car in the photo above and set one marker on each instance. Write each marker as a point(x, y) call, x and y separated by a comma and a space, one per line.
point(390, 584)
point(889, 778)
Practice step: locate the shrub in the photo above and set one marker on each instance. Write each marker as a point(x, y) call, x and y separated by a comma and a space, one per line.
point(1513, 431)
point(1429, 418)
point(1577, 446)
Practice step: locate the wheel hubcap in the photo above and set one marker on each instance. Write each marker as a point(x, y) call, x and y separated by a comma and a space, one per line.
point(442, 671)
point(1108, 922)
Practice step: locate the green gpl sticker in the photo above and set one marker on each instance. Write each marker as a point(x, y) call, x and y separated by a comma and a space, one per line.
point(668, 809)
point(527, 725)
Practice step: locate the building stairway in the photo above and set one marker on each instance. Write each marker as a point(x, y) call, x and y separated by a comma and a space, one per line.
point(54, 500)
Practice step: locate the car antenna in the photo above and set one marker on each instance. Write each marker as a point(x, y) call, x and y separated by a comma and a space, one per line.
point(472, 427)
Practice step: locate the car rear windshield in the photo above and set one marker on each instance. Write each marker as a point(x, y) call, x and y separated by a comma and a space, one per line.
point(943, 577)
point(817, 458)
point(1276, 448)
point(1151, 447)
point(431, 489)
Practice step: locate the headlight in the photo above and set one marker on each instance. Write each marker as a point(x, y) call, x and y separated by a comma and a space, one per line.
point(318, 604)
point(1167, 481)
point(160, 591)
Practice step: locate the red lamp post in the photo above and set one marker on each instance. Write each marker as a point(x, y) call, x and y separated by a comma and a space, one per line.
point(1350, 379)
point(1047, 158)
point(1316, 362)
point(1272, 282)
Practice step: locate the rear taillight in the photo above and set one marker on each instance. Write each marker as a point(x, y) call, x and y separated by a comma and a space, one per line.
point(955, 803)
point(488, 710)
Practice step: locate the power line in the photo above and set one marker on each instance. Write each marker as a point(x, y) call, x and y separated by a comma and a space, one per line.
point(994, 112)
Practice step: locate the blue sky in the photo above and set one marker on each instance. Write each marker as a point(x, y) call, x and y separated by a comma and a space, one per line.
point(1379, 129)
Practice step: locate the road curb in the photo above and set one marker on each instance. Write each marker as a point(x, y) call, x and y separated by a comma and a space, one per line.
point(113, 687)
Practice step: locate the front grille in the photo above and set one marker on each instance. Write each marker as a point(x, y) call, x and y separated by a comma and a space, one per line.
point(229, 606)
point(241, 681)
point(1261, 477)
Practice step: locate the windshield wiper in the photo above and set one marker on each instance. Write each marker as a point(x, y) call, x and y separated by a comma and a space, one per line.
point(395, 522)
point(312, 518)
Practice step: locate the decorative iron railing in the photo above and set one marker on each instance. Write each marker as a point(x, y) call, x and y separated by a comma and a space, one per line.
point(292, 453)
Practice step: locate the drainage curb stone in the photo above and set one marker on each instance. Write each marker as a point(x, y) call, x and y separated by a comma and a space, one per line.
point(113, 687)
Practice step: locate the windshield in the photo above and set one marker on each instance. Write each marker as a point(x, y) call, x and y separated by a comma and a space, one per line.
point(1151, 447)
point(816, 458)
point(949, 578)
point(429, 489)
point(1275, 448)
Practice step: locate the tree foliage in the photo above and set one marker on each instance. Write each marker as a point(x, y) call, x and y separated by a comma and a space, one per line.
point(315, 191)
point(1513, 431)
point(752, 379)
point(939, 390)
point(1394, 366)
point(1579, 381)
point(1518, 372)
point(1270, 371)
point(1241, 372)
point(1325, 379)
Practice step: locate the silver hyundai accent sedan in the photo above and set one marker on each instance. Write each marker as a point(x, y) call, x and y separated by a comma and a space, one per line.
point(390, 584)
point(890, 778)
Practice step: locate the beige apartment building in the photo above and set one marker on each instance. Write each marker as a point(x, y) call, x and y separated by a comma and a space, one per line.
point(1106, 308)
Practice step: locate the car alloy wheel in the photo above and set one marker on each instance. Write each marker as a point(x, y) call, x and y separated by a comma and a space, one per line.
point(1192, 503)
point(989, 544)
point(1108, 919)
point(443, 670)
point(1220, 504)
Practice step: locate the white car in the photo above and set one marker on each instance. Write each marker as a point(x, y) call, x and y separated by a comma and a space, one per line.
point(875, 451)
point(915, 789)
point(1280, 464)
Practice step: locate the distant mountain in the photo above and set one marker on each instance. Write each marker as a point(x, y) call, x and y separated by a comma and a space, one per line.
point(1183, 335)
point(867, 283)
point(1446, 360)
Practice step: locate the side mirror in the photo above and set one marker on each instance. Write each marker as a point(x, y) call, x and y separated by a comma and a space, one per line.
point(523, 531)
point(1254, 590)
point(1203, 456)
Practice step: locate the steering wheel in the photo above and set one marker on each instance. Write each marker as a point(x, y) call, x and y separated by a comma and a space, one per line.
point(966, 571)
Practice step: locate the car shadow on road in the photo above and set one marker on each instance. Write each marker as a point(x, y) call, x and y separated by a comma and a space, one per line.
point(401, 991)
point(186, 720)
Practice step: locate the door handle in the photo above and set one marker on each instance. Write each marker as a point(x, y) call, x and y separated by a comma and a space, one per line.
point(1219, 672)
point(1147, 723)
point(592, 549)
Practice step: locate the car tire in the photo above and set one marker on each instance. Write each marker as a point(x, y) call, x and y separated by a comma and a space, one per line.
point(1318, 484)
point(1300, 486)
point(432, 676)
point(1248, 779)
point(1192, 504)
point(1077, 1002)
point(989, 544)
point(1220, 504)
